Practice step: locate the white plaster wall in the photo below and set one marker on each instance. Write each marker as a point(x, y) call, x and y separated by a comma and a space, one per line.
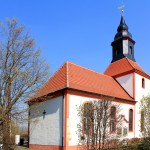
point(127, 83)
point(46, 130)
point(74, 120)
point(139, 93)
point(124, 110)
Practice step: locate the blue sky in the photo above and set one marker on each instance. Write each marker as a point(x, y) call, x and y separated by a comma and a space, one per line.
point(81, 31)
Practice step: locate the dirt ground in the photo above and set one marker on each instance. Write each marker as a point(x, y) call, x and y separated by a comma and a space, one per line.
point(23, 148)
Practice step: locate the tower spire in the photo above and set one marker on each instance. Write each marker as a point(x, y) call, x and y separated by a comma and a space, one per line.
point(123, 44)
point(122, 26)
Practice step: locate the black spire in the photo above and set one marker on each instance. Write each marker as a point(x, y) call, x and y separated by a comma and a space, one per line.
point(123, 44)
point(122, 25)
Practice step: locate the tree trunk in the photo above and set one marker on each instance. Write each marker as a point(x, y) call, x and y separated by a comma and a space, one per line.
point(6, 132)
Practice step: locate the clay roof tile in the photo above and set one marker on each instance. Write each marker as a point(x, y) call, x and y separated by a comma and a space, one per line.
point(123, 66)
point(73, 76)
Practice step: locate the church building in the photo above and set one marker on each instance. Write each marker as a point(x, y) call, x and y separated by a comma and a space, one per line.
point(53, 109)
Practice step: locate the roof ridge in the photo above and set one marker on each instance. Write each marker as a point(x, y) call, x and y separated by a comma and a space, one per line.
point(130, 63)
point(67, 69)
point(89, 69)
point(57, 70)
point(136, 68)
point(116, 63)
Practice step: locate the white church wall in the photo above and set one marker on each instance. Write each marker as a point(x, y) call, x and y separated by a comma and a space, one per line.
point(139, 93)
point(74, 120)
point(124, 110)
point(46, 130)
point(126, 82)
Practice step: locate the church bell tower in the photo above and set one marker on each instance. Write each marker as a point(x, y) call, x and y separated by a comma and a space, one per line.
point(123, 44)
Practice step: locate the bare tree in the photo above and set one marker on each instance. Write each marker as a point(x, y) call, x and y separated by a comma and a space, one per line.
point(98, 121)
point(145, 120)
point(22, 72)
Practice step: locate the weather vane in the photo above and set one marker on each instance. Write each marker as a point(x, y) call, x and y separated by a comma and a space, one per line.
point(122, 7)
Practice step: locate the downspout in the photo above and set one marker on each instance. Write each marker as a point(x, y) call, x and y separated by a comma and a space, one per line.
point(63, 117)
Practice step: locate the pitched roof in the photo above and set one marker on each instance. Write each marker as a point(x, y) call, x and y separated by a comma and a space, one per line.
point(72, 76)
point(122, 66)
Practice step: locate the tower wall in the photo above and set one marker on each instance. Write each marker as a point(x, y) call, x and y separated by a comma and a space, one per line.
point(139, 94)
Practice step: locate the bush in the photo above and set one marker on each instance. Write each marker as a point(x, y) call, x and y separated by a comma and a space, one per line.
point(129, 144)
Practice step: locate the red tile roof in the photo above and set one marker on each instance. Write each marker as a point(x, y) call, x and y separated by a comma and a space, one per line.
point(123, 66)
point(57, 82)
point(70, 75)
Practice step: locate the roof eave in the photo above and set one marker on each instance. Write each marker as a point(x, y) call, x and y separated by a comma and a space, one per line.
point(50, 95)
point(45, 97)
point(106, 96)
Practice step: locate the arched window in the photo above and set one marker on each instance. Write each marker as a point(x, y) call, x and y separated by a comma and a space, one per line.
point(143, 83)
point(131, 50)
point(87, 117)
point(130, 120)
point(142, 120)
point(113, 119)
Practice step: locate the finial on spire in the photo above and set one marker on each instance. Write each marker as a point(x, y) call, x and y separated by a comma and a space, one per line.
point(122, 8)
point(122, 12)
